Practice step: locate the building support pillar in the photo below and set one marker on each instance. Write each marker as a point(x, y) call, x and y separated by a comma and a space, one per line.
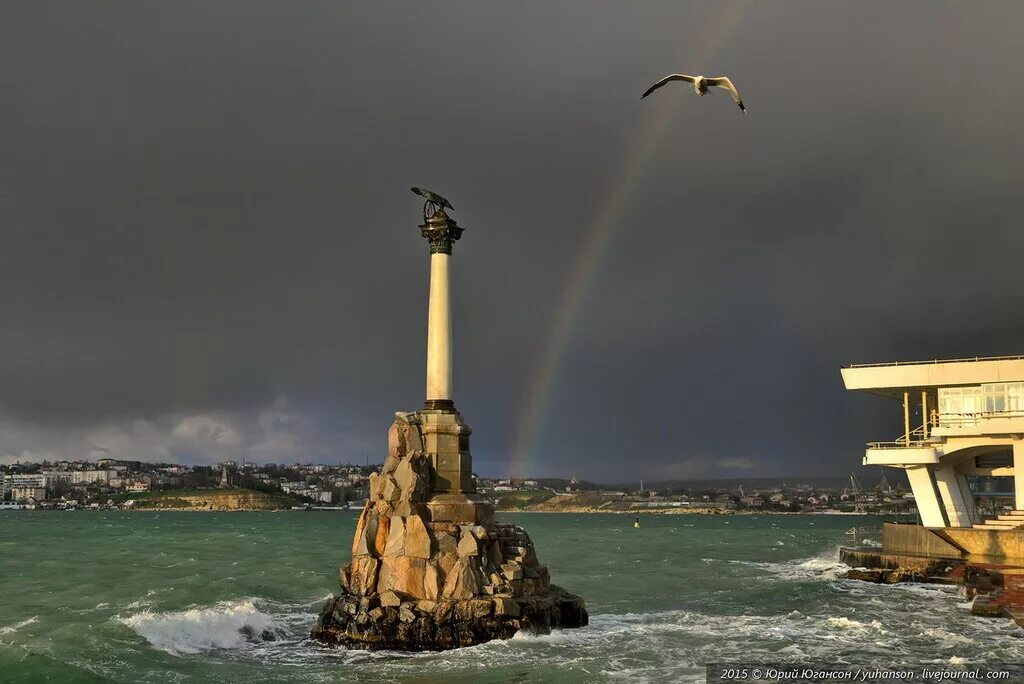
point(955, 496)
point(924, 413)
point(1018, 474)
point(965, 488)
point(906, 418)
point(927, 499)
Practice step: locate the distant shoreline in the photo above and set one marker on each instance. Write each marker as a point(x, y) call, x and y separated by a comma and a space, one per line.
point(673, 511)
point(685, 511)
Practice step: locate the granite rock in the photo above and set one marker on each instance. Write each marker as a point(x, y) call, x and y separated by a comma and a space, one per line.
point(417, 538)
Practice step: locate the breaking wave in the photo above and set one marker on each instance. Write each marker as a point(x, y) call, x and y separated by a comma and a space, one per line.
point(847, 623)
point(225, 625)
point(824, 566)
point(15, 627)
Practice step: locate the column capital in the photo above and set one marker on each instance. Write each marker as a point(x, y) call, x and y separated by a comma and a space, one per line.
point(441, 231)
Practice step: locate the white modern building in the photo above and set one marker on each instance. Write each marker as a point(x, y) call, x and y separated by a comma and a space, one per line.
point(79, 477)
point(33, 480)
point(961, 418)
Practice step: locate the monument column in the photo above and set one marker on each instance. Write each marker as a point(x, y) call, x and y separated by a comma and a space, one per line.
point(431, 569)
point(445, 435)
point(440, 231)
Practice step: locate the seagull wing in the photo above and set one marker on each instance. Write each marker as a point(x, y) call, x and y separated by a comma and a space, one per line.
point(724, 82)
point(670, 77)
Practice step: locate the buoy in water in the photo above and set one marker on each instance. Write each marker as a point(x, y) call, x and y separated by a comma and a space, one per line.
point(637, 523)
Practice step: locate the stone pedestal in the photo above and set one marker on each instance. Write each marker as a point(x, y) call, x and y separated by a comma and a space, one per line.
point(432, 569)
point(446, 440)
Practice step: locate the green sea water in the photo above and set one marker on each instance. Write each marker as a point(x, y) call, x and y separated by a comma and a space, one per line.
point(193, 597)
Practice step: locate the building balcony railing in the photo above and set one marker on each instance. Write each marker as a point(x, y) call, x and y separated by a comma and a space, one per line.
point(934, 361)
point(900, 444)
point(964, 419)
point(915, 439)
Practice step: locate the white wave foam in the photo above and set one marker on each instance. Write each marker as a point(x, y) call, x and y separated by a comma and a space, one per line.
point(847, 623)
point(15, 627)
point(824, 566)
point(225, 625)
point(946, 637)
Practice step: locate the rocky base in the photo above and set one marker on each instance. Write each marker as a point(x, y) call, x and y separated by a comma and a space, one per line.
point(385, 622)
point(431, 569)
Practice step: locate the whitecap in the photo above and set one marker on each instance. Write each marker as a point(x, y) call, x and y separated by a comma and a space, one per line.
point(225, 625)
point(847, 623)
point(946, 637)
point(18, 625)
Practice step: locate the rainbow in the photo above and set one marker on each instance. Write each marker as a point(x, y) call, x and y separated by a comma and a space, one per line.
point(643, 144)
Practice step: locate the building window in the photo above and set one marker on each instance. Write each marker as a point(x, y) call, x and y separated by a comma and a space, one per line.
point(964, 405)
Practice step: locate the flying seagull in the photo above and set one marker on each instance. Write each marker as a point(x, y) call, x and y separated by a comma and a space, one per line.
point(433, 197)
point(700, 86)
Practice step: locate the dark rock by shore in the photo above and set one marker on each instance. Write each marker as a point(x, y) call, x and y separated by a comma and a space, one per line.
point(351, 621)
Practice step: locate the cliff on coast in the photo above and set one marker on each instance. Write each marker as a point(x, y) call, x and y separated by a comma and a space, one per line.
point(208, 500)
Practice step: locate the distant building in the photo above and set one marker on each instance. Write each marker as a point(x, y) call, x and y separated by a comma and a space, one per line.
point(78, 477)
point(36, 480)
point(25, 494)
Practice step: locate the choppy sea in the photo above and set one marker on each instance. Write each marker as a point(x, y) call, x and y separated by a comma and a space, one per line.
point(230, 597)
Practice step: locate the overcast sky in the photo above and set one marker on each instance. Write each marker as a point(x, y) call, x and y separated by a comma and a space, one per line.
point(208, 247)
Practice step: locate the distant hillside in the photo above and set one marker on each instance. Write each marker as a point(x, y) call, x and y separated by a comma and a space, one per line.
point(208, 500)
point(522, 500)
point(546, 501)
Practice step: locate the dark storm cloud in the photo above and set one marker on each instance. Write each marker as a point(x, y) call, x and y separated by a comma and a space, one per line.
point(206, 223)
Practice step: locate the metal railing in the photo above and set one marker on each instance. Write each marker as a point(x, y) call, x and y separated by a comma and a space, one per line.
point(970, 513)
point(898, 444)
point(914, 439)
point(952, 419)
point(933, 361)
point(865, 536)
